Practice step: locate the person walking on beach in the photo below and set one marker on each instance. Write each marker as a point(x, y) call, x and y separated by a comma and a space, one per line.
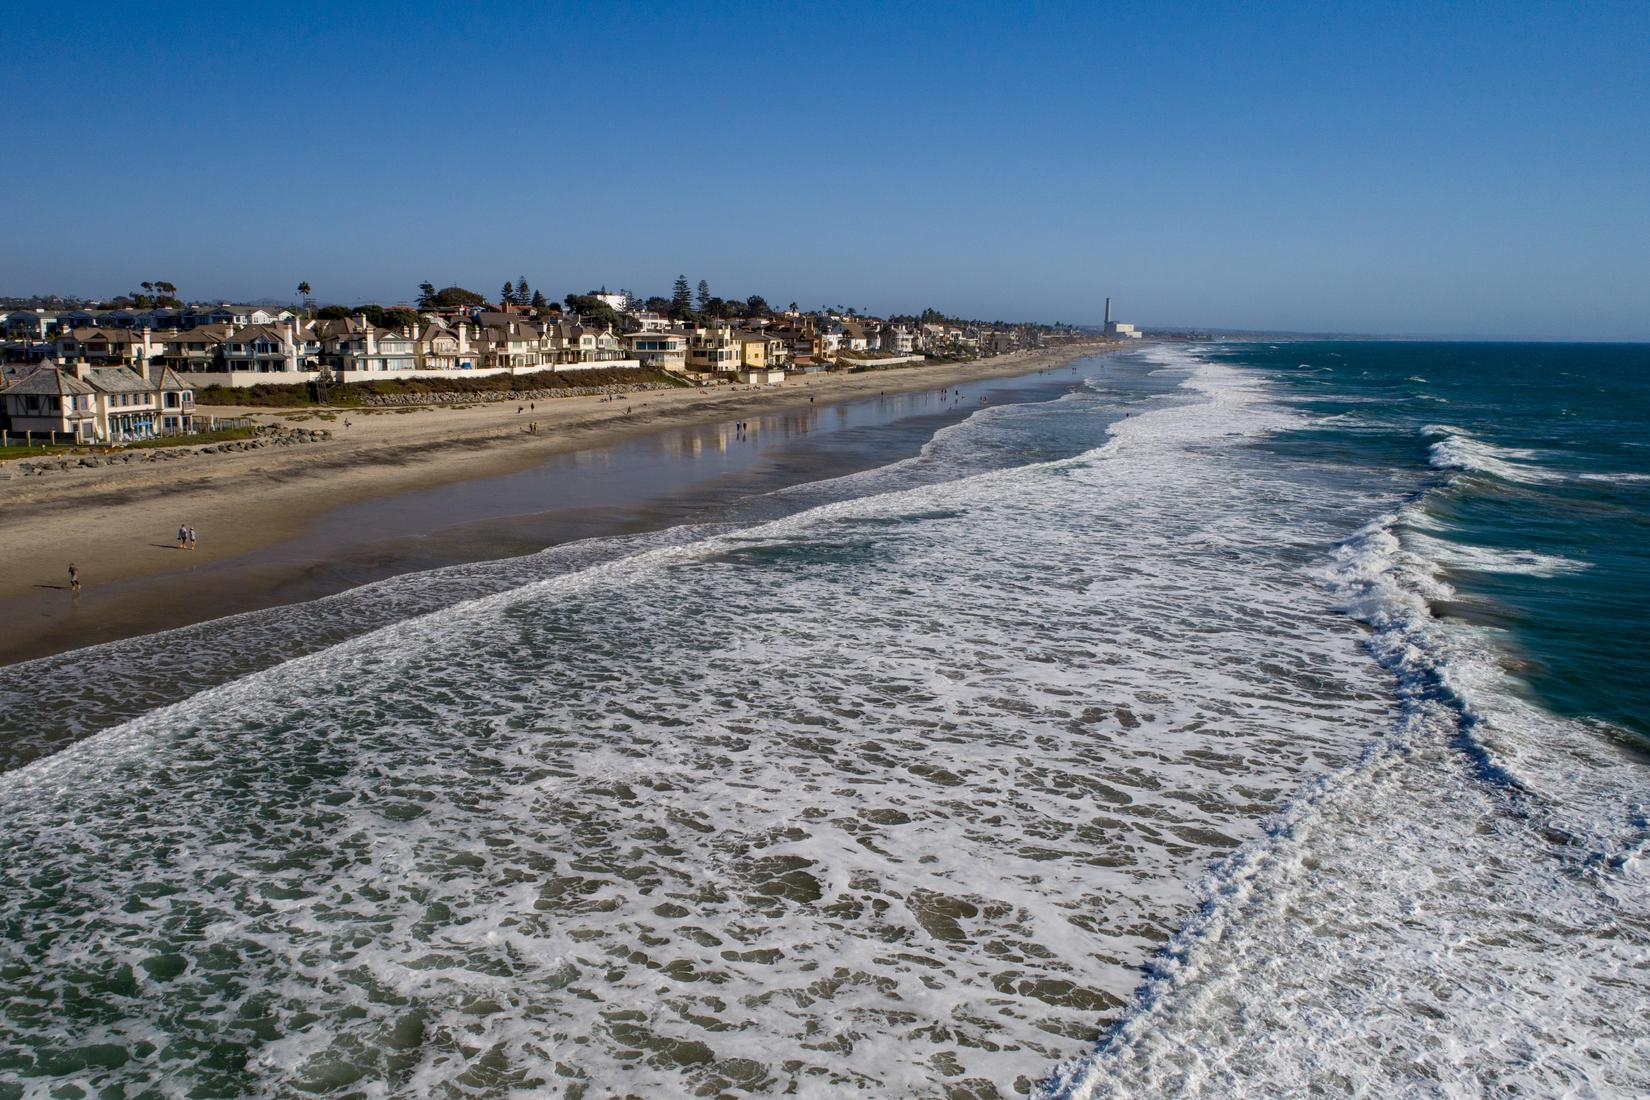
point(191, 538)
point(183, 536)
point(74, 578)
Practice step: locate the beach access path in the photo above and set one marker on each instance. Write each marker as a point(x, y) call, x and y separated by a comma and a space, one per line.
point(120, 522)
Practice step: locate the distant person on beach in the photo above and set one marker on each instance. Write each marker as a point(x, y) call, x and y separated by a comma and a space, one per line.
point(183, 536)
point(74, 578)
point(191, 538)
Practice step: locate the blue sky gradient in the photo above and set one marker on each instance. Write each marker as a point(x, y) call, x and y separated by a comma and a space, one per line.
point(1427, 169)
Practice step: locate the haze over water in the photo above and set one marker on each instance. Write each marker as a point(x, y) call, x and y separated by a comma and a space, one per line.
point(1285, 678)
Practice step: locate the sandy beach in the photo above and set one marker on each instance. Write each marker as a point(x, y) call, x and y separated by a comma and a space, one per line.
point(118, 524)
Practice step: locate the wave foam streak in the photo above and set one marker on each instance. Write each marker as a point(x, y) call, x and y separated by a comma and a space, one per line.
point(1464, 912)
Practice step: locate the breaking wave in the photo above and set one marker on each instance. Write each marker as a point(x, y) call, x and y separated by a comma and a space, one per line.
point(1463, 911)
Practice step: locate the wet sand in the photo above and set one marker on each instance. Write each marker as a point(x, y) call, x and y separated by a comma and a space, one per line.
point(399, 492)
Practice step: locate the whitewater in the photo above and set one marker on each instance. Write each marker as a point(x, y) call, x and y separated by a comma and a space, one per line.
point(896, 786)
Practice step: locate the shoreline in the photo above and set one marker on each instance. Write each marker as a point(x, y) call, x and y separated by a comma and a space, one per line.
point(118, 524)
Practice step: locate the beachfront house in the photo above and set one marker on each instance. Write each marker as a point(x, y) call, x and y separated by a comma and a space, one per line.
point(175, 400)
point(88, 403)
point(354, 344)
point(443, 347)
point(609, 346)
point(46, 400)
point(762, 350)
point(514, 343)
point(660, 350)
point(714, 349)
point(396, 350)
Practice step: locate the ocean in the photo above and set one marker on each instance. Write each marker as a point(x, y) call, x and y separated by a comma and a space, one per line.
point(1209, 720)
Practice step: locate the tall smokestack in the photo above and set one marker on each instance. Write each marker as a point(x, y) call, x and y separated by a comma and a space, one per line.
point(1108, 311)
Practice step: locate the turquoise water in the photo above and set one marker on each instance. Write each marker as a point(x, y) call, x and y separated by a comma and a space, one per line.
point(1541, 462)
point(1221, 720)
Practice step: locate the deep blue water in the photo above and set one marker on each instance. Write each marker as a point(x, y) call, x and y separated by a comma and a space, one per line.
point(1530, 449)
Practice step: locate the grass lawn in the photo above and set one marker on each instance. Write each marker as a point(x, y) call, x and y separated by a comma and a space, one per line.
point(195, 439)
point(9, 453)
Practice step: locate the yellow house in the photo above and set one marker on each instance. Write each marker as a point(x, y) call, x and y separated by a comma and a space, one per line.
point(763, 349)
point(753, 351)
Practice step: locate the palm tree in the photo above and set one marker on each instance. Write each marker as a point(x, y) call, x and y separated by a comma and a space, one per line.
point(303, 290)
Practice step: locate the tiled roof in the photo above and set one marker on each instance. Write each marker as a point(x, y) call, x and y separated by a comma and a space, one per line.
point(117, 380)
point(48, 380)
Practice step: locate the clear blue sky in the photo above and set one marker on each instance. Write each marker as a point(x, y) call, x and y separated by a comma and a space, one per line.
point(1473, 168)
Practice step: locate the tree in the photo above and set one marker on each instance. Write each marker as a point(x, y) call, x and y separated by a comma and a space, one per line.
point(539, 301)
point(681, 299)
point(756, 306)
point(332, 313)
point(657, 305)
point(508, 294)
point(704, 294)
point(596, 310)
point(303, 290)
point(456, 297)
point(793, 307)
point(524, 293)
point(426, 294)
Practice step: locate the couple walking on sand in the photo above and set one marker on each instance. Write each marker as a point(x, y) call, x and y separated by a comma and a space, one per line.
point(186, 537)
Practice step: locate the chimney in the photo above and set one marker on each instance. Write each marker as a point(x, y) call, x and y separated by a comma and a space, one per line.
point(1108, 311)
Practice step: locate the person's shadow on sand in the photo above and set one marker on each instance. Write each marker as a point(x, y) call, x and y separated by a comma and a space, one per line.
point(165, 546)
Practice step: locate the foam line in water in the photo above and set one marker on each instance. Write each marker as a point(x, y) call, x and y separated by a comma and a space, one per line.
point(1397, 931)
